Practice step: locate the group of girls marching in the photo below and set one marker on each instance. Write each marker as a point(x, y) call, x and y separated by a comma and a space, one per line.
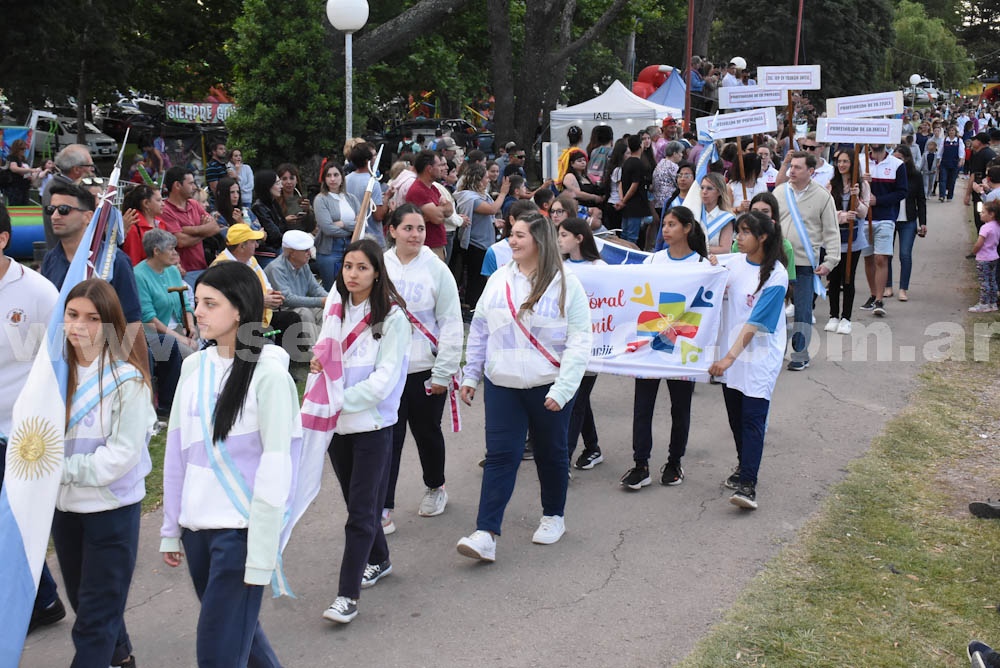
point(230, 465)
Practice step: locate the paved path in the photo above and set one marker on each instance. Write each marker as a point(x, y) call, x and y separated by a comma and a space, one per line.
point(638, 577)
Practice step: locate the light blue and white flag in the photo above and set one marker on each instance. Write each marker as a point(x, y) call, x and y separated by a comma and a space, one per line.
point(708, 155)
point(35, 447)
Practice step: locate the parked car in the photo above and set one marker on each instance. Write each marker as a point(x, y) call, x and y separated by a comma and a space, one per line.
point(462, 131)
point(116, 121)
point(51, 136)
point(917, 95)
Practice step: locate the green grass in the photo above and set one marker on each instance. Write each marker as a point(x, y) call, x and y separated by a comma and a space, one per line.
point(892, 571)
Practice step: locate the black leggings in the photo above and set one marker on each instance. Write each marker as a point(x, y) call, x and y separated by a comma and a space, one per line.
point(838, 283)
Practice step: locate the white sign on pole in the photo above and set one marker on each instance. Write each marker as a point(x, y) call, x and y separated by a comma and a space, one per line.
point(550, 160)
point(739, 123)
point(791, 77)
point(859, 130)
point(864, 106)
point(751, 97)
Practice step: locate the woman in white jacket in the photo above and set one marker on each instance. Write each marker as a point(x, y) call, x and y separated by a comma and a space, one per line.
point(530, 337)
point(433, 308)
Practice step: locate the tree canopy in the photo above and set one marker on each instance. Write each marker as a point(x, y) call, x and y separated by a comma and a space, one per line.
point(925, 46)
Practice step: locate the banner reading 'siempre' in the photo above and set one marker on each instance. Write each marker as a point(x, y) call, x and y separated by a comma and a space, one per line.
point(654, 321)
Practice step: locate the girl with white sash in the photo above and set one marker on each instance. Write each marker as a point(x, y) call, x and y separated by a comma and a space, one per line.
point(363, 351)
point(716, 217)
point(228, 471)
point(529, 343)
point(96, 525)
point(433, 309)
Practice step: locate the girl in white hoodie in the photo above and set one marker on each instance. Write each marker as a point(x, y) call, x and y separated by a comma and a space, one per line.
point(96, 525)
point(529, 343)
point(434, 310)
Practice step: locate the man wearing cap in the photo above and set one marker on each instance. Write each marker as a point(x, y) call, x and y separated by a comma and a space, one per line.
point(734, 72)
point(447, 147)
point(241, 242)
point(503, 158)
point(289, 273)
point(981, 156)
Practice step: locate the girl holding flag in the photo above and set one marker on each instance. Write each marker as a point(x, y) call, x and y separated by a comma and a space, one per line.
point(529, 343)
point(96, 525)
point(229, 467)
point(755, 339)
point(363, 355)
point(433, 308)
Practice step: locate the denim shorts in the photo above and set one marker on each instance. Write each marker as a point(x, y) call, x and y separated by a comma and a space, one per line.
point(882, 243)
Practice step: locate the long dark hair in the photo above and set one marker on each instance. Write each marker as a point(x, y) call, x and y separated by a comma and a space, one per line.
point(615, 160)
point(770, 200)
point(695, 233)
point(136, 197)
point(837, 185)
point(758, 225)
point(396, 217)
point(223, 203)
point(239, 284)
point(581, 228)
point(105, 300)
point(383, 294)
point(263, 180)
point(912, 171)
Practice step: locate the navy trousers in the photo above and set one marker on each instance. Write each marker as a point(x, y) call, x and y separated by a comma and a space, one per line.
point(748, 421)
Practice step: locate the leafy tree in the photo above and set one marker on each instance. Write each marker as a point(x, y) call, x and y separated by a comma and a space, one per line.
point(926, 46)
point(979, 31)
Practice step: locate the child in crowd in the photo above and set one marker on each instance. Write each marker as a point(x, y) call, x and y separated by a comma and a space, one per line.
point(986, 258)
point(576, 243)
point(685, 240)
point(755, 340)
point(96, 525)
point(228, 469)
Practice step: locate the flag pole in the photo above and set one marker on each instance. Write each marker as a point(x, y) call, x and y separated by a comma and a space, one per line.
point(105, 202)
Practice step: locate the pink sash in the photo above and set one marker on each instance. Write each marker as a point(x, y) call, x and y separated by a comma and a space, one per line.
point(531, 337)
point(453, 383)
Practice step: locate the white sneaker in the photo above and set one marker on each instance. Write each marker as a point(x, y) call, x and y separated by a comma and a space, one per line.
point(478, 545)
point(790, 311)
point(831, 325)
point(814, 320)
point(388, 527)
point(844, 327)
point(550, 530)
point(433, 503)
point(979, 308)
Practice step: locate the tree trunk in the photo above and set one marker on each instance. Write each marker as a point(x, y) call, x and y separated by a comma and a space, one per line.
point(396, 34)
point(502, 70)
point(704, 14)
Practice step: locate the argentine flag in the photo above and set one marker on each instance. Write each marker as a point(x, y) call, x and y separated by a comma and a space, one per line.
point(708, 155)
point(35, 450)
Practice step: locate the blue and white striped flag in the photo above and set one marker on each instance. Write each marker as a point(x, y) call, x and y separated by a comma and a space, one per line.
point(708, 155)
point(35, 449)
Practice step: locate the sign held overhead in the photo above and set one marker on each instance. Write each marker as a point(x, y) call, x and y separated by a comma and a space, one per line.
point(790, 77)
point(751, 97)
point(738, 123)
point(859, 130)
point(864, 106)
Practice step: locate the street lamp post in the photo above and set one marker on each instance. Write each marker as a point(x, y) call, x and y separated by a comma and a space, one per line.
point(914, 80)
point(348, 16)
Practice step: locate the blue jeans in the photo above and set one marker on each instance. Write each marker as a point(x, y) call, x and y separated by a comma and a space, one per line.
point(802, 297)
point(329, 264)
point(229, 635)
point(748, 422)
point(906, 231)
point(97, 554)
point(630, 228)
point(509, 414)
point(947, 182)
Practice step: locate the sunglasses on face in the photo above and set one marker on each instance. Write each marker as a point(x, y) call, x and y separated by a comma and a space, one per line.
point(555, 211)
point(92, 181)
point(63, 209)
point(811, 147)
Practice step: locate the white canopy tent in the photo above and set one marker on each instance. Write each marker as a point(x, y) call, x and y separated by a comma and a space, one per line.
point(618, 107)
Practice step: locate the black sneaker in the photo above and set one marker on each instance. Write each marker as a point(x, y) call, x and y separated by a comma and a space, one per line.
point(869, 305)
point(733, 481)
point(982, 655)
point(636, 478)
point(588, 459)
point(987, 510)
point(127, 663)
point(745, 497)
point(529, 451)
point(798, 365)
point(342, 610)
point(671, 474)
point(47, 616)
point(879, 309)
point(375, 572)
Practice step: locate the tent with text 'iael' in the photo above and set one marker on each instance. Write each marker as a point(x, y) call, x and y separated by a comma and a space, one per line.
point(618, 107)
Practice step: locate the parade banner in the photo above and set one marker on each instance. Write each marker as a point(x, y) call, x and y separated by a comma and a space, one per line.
point(865, 106)
point(791, 77)
point(859, 130)
point(8, 135)
point(738, 123)
point(209, 113)
point(654, 321)
point(751, 97)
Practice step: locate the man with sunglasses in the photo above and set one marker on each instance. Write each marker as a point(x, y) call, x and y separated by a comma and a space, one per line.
point(515, 163)
point(73, 163)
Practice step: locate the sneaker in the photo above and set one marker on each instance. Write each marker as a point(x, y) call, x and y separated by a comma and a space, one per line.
point(588, 459)
point(636, 477)
point(342, 610)
point(482, 462)
point(375, 572)
point(879, 309)
point(733, 481)
point(529, 451)
point(388, 527)
point(831, 325)
point(844, 327)
point(434, 501)
point(798, 365)
point(979, 308)
point(47, 616)
point(813, 320)
point(478, 545)
point(982, 655)
point(987, 510)
point(671, 474)
point(549, 530)
point(790, 311)
point(127, 663)
point(745, 497)
point(869, 305)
